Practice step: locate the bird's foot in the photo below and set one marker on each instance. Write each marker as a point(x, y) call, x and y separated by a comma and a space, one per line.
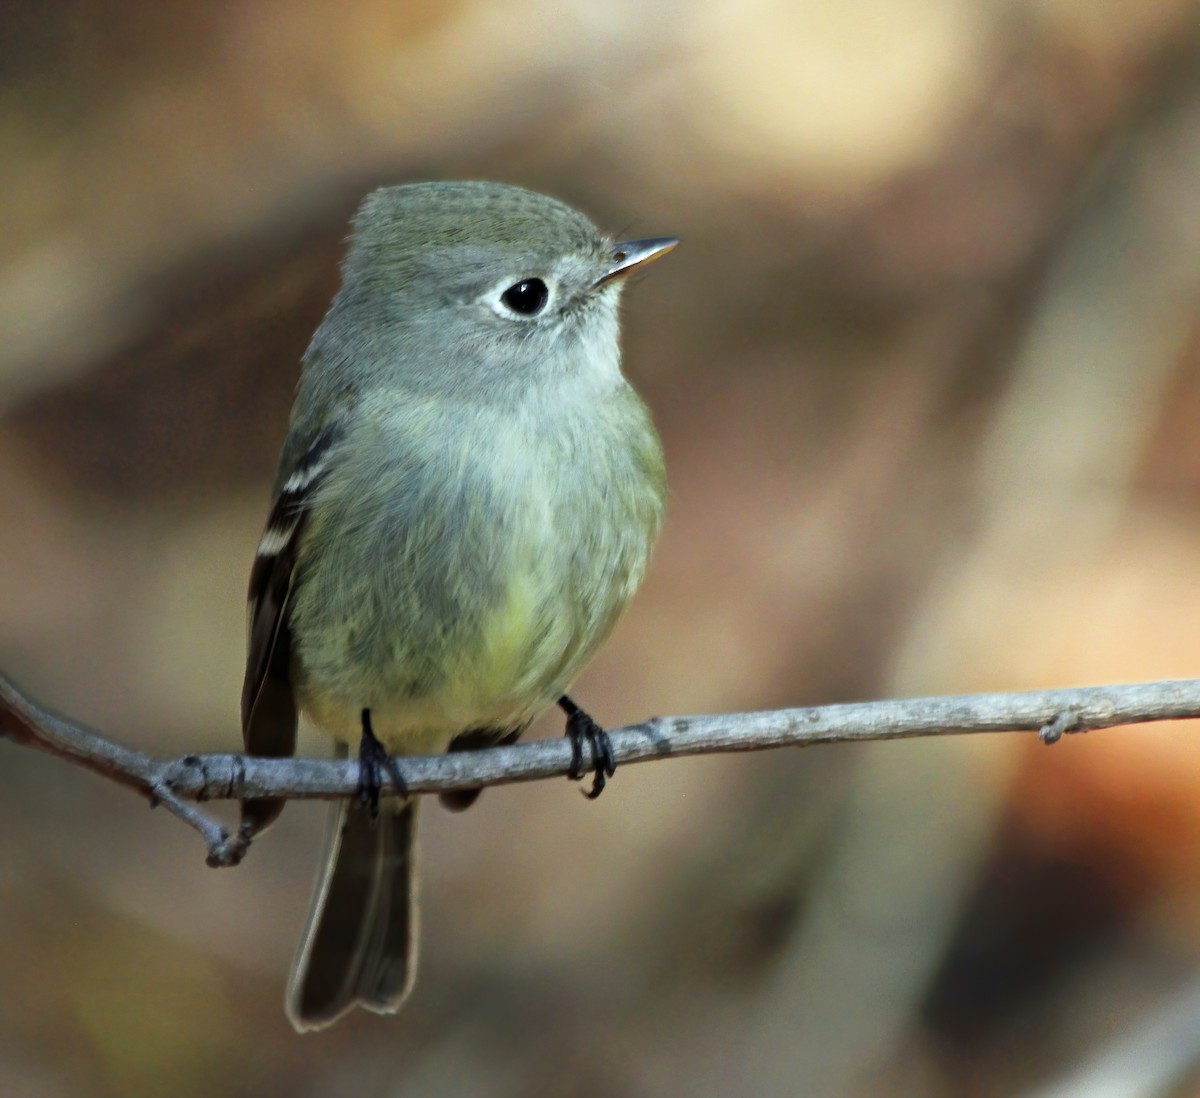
point(582, 729)
point(373, 763)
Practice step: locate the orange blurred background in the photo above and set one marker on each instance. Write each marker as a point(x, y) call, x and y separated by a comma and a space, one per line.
point(927, 369)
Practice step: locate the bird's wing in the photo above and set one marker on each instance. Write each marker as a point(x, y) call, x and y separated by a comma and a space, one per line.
point(268, 700)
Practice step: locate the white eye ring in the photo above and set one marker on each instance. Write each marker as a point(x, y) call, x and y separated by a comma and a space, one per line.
point(522, 298)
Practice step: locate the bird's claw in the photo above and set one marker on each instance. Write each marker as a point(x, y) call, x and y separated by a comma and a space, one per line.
point(373, 763)
point(582, 729)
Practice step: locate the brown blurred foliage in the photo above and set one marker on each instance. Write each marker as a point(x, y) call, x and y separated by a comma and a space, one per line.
point(927, 368)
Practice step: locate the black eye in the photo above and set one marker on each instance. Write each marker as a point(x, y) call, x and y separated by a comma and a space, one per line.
point(527, 297)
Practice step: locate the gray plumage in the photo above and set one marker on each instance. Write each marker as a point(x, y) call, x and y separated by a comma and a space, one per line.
point(466, 501)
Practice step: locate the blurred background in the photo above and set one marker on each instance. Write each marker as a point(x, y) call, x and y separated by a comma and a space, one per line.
point(927, 369)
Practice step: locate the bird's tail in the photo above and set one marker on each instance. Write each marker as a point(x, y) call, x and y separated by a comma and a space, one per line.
point(360, 944)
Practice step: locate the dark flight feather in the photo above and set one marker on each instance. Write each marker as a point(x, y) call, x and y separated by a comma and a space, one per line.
point(269, 712)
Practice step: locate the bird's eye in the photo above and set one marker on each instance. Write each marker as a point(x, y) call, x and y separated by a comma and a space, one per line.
point(527, 297)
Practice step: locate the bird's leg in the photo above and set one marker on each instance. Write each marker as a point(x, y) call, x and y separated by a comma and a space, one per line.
point(580, 729)
point(373, 762)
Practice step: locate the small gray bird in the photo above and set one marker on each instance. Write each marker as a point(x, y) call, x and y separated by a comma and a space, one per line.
point(466, 500)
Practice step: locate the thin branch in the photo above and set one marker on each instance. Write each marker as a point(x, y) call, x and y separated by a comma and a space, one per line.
point(223, 849)
point(1051, 713)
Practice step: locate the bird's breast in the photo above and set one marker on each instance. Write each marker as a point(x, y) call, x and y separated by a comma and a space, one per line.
point(462, 582)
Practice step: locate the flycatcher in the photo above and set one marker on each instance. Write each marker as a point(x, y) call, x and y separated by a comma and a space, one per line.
point(466, 500)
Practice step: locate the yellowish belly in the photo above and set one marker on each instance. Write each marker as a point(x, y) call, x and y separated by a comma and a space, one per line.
point(527, 652)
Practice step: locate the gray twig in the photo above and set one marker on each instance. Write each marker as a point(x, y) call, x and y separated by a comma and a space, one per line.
point(1062, 723)
point(223, 850)
point(234, 777)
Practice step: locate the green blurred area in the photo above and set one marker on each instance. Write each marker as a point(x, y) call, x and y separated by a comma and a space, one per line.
point(927, 368)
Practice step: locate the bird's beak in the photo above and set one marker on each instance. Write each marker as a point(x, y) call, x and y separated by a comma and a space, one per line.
point(630, 255)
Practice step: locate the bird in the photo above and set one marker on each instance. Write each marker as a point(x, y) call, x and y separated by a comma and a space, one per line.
point(466, 500)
